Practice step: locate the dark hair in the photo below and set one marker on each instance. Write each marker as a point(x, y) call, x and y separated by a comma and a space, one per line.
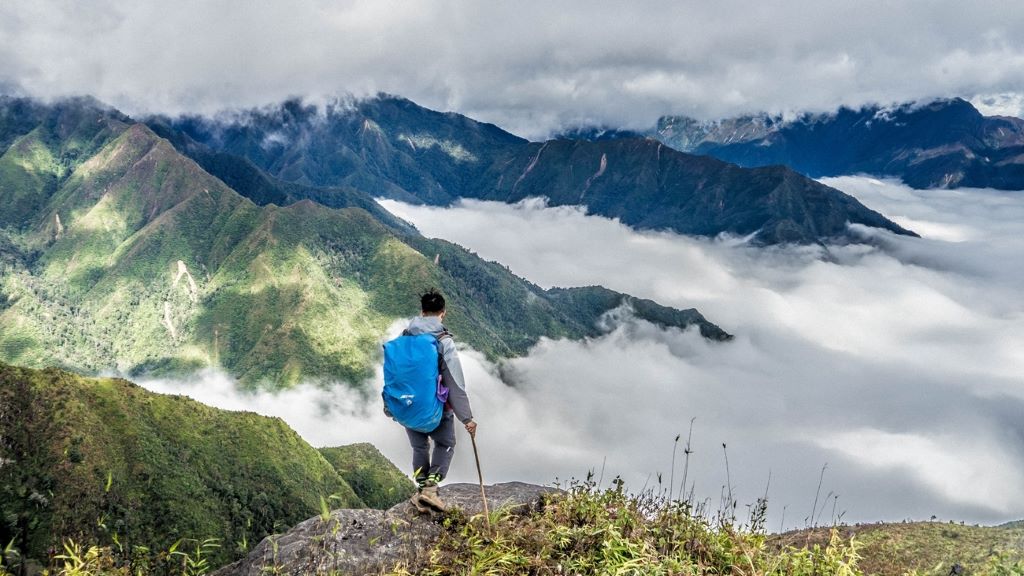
point(431, 302)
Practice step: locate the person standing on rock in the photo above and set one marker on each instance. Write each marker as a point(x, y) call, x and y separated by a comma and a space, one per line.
point(408, 364)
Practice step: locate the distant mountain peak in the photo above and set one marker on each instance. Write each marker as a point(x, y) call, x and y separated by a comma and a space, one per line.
point(944, 142)
point(596, 133)
point(389, 146)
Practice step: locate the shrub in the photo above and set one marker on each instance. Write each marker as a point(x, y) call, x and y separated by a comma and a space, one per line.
point(590, 531)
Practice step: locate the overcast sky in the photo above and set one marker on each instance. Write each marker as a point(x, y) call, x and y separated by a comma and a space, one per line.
point(897, 365)
point(529, 66)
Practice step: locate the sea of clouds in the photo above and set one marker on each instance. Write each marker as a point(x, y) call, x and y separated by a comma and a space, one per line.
point(894, 365)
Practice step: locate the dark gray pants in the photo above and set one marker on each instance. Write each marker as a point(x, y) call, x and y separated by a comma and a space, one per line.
point(426, 462)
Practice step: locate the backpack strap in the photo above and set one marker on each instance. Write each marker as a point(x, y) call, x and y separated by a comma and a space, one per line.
point(441, 365)
point(440, 350)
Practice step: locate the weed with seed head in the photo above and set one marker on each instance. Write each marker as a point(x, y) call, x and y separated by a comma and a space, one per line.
point(589, 530)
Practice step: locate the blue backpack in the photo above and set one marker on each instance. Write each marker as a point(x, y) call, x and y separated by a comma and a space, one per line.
point(413, 392)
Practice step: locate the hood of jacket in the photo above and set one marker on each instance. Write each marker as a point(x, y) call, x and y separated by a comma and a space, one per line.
point(425, 325)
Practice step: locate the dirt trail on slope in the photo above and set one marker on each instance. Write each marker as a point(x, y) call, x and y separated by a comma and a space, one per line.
point(193, 290)
point(193, 294)
point(167, 321)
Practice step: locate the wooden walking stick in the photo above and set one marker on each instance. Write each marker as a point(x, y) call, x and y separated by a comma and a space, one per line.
point(480, 475)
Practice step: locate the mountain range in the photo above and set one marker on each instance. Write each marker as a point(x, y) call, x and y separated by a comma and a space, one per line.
point(120, 253)
point(390, 147)
point(939, 144)
point(252, 243)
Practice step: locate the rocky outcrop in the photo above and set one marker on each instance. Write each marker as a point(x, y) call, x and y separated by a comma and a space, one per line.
point(373, 541)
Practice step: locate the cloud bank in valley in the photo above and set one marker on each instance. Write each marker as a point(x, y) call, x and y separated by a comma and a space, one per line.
point(531, 67)
point(898, 367)
point(896, 362)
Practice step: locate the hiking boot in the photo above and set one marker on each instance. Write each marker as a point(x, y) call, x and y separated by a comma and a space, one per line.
point(429, 497)
point(420, 507)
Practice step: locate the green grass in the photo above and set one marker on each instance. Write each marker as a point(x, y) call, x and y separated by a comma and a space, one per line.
point(586, 530)
point(591, 531)
point(97, 458)
point(374, 479)
point(930, 548)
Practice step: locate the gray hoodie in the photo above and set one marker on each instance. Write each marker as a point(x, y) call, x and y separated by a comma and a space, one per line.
point(451, 372)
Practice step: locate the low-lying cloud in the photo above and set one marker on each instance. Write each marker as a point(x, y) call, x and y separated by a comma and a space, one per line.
point(516, 445)
point(896, 363)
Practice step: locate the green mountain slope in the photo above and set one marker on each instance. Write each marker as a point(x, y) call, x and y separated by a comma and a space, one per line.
point(243, 176)
point(42, 145)
point(94, 458)
point(387, 146)
point(372, 476)
point(131, 257)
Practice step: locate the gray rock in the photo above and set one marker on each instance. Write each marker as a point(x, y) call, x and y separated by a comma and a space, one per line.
point(515, 495)
point(374, 541)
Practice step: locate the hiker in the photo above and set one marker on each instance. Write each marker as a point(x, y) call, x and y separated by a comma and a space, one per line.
point(430, 465)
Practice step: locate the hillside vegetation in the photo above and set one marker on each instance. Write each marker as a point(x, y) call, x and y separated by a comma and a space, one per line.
point(118, 253)
point(103, 460)
point(585, 529)
point(925, 548)
point(373, 478)
point(133, 482)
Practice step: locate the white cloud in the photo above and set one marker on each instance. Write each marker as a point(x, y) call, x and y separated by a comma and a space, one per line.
point(531, 67)
point(896, 366)
point(514, 447)
point(971, 473)
point(896, 362)
point(1006, 104)
point(840, 353)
